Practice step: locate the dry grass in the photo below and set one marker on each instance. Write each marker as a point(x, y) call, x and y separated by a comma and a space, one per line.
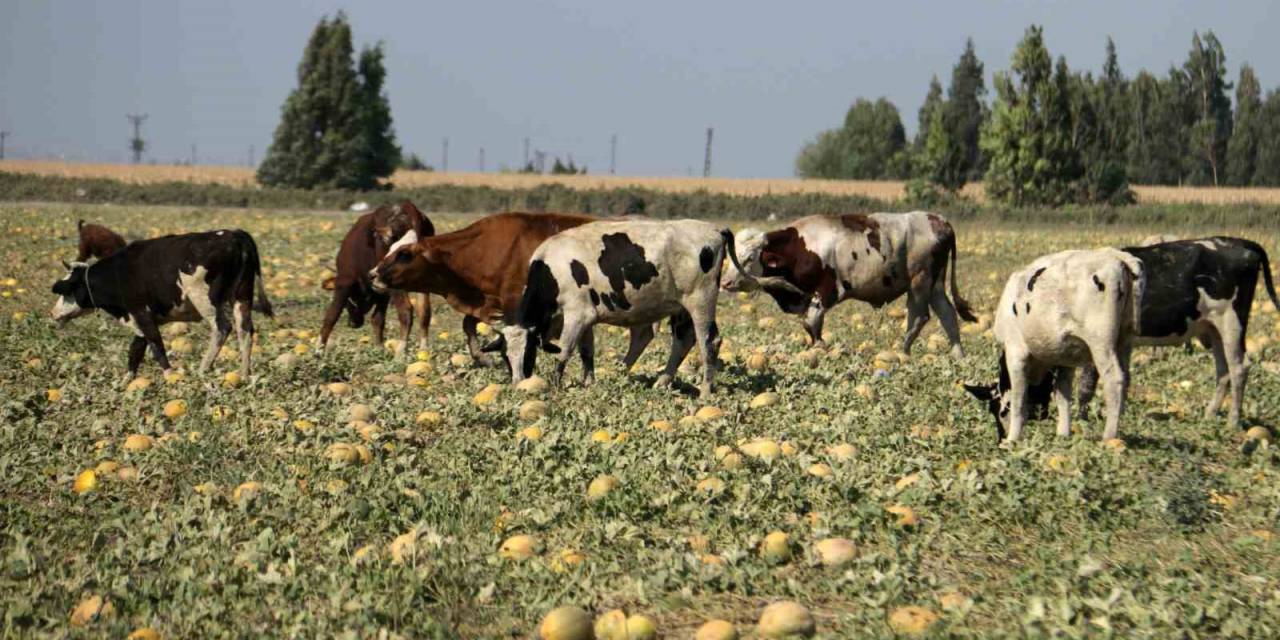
point(887, 190)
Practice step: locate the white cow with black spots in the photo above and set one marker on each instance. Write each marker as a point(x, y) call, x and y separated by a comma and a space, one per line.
point(1063, 311)
point(179, 278)
point(626, 273)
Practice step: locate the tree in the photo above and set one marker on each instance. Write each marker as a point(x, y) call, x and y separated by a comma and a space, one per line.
point(335, 127)
point(415, 163)
point(1206, 73)
point(871, 145)
point(1028, 140)
point(966, 109)
point(1267, 171)
point(932, 102)
point(1242, 148)
point(942, 161)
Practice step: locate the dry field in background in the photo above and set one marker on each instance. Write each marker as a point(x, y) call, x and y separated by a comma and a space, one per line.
point(880, 189)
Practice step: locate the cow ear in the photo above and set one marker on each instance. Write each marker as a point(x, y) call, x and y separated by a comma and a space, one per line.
point(771, 259)
point(982, 392)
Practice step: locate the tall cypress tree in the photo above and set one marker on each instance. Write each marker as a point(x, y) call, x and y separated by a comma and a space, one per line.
point(966, 110)
point(932, 103)
point(325, 136)
point(1267, 170)
point(1242, 149)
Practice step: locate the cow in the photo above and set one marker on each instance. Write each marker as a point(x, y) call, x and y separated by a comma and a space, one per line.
point(480, 270)
point(1201, 289)
point(1063, 311)
point(628, 273)
point(875, 258)
point(364, 245)
point(210, 275)
point(97, 241)
point(1158, 239)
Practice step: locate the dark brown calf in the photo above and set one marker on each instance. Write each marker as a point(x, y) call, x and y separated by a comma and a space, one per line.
point(97, 241)
point(364, 245)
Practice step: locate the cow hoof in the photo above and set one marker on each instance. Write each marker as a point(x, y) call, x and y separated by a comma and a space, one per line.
point(957, 352)
point(663, 382)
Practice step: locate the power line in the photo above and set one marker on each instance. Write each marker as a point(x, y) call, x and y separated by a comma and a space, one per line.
point(137, 145)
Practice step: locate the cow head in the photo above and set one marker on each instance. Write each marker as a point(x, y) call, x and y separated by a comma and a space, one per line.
point(75, 298)
point(520, 348)
point(405, 261)
point(751, 253)
point(996, 397)
point(393, 221)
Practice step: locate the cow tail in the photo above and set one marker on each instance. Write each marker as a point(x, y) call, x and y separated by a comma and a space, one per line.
point(1266, 275)
point(1137, 272)
point(962, 306)
point(261, 304)
point(80, 225)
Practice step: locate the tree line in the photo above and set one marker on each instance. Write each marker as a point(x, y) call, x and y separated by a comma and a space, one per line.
point(1051, 135)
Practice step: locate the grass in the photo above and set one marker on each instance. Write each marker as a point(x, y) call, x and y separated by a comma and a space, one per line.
point(882, 190)
point(1173, 536)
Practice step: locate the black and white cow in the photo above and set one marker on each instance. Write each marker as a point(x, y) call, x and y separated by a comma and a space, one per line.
point(1063, 311)
point(1201, 289)
point(875, 258)
point(627, 273)
point(210, 275)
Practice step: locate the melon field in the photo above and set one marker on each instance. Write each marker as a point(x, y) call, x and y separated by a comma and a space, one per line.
point(358, 495)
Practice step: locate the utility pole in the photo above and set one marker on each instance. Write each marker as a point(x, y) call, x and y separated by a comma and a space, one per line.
point(250, 155)
point(481, 159)
point(3, 135)
point(539, 161)
point(706, 163)
point(137, 145)
point(444, 157)
point(613, 154)
point(526, 153)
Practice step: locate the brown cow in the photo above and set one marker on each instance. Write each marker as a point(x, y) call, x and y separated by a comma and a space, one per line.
point(97, 241)
point(365, 244)
point(481, 269)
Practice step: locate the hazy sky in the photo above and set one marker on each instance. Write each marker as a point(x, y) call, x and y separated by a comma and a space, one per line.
point(566, 74)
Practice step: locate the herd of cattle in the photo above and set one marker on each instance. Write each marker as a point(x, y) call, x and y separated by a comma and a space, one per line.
point(551, 277)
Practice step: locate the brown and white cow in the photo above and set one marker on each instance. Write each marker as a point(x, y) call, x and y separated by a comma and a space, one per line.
point(211, 276)
point(1202, 289)
point(480, 270)
point(875, 258)
point(97, 241)
point(365, 244)
point(1063, 311)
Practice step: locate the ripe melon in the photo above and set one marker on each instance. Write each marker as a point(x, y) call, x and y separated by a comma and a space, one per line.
point(428, 417)
point(532, 410)
point(175, 409)
point(716, 630)
point(906, 516)
point(533, 433)
point(85, 482)
point(138, 384)
point(708, 414)
point(611, 625)
point(602, 436)
point(53, 395)
point(762, 449)
point(533, 384)
point(360, 413)
point(786, 619)
point(661, 425)
point(842, 452)
point(418, 369)
point(144, 633)
point(138, 442)
point(821, 470)
point(776, 548)
point(339, 388)
point(765, 399)
point(459, 360)
point(247, 491)
point(91, 610)
point(601, 486)
point(641, 627)
point(711, 486)
point(728, 458)
point(834, 552)
point(912, 620)
point(566, 623)
point(520, 547)
point(231, 379)
point(487, 395)
point(757, 362)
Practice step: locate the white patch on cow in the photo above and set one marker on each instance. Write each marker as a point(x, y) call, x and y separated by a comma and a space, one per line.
point(747, 244)
point(516, 339)
point(405, 240)
point(66, 309)
point(219, 233)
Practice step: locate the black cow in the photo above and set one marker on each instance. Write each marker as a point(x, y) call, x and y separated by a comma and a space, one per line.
point(1200, 289)
point(187, 277)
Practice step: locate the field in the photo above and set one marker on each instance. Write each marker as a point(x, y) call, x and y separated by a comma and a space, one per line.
point(240, 517)
point(884, 190)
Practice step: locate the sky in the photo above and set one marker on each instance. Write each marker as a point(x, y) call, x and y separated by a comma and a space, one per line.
point(565, 74)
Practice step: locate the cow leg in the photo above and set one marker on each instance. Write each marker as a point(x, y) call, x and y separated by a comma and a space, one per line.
point(708, 335)
point(404, 314)
point(570, 334)
point(422, 305)
point(682, 337)
point(917, 316)
point(151, 334)
point(946, 311)
point(1088, 386)
point(641, 336)
point(1062, 395)
point(219, 329)
point(331, 315)
point(1111, 373)
point(813, 320)
point(1223, 377)
point(1237, 368)
point(137, 350)
point(473, 343)
point(244, 335)
point(379, 319)
point(587, 351)
point(1017, 365)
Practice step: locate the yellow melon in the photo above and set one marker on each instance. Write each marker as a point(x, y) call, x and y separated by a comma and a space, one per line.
point(85, 482)
point(716, 630)
point(138, 442)
point(487, 396)
point(175, 409)
point(520, 547)
point(601, 486)
point(532, 410)
point(912, 620)
point(834, 552)
point(776, 548)
point(766, 399)
point(138, 384)
point(786, 619)
point(566, 623)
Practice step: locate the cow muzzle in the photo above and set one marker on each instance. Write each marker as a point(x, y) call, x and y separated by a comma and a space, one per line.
point(376, 282)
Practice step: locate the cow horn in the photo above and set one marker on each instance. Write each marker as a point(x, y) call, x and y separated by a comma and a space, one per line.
point(64, 264)
point(777, 282)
